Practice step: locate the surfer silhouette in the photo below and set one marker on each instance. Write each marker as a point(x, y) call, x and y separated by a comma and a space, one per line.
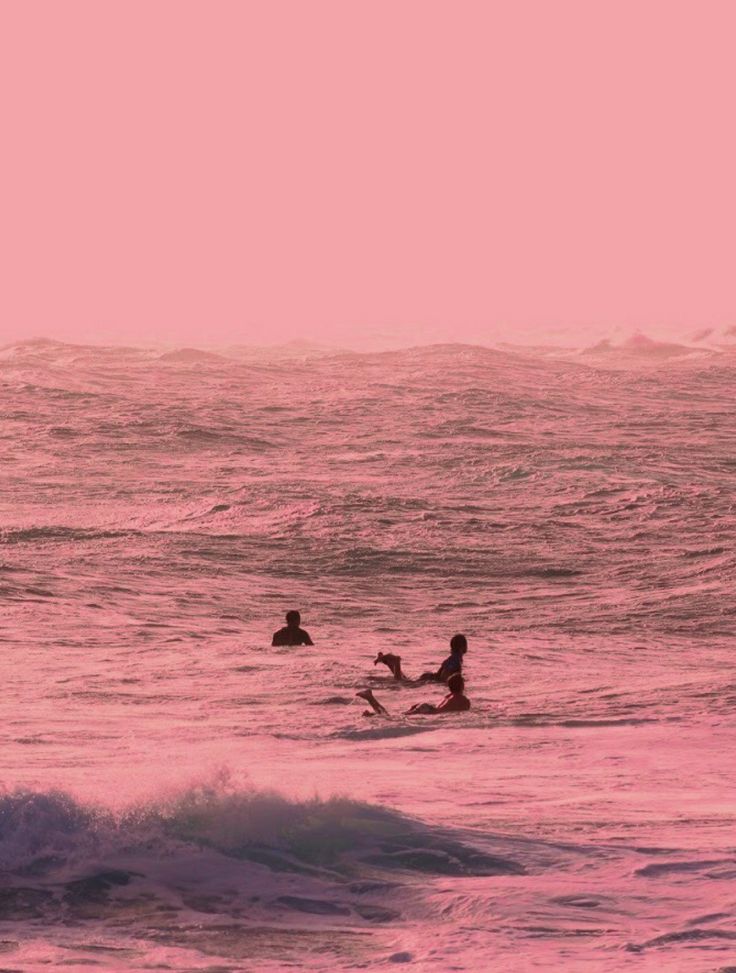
point(455, 702)
point(452, 664)
point(291, 633)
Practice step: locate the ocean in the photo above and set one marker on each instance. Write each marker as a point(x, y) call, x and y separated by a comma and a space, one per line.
point(178, 795)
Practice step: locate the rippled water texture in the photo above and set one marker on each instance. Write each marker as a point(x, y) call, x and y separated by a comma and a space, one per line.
point(179, 795)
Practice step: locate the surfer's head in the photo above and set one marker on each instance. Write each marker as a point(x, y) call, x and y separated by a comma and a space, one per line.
point(456, 683)
point(459, 644)
point(293, 619)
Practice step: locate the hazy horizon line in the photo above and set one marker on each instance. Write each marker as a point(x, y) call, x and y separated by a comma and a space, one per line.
point(697, 339)
point(563, 337)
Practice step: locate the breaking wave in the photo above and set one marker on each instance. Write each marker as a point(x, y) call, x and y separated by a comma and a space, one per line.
point(53, 837)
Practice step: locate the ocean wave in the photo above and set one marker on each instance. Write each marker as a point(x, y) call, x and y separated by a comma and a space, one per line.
point(643, 347)
point(50, 835)
point(58, 533)
point(190, 871)
point(383, 732)
point(191, 356)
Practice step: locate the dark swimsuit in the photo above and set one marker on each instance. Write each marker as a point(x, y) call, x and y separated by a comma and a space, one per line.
point(451, 665)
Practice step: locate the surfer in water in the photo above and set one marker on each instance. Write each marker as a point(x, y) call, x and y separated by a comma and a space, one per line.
point(455, 702)
point(451, 665)
point(291, 633)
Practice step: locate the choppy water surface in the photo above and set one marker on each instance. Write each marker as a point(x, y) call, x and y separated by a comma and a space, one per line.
point(178, 795)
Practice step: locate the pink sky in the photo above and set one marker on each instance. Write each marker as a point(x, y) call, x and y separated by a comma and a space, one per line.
point(254, 171)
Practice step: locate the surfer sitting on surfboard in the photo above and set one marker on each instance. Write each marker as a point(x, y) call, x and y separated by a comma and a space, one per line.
point(452, 664)
point(455, 702)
